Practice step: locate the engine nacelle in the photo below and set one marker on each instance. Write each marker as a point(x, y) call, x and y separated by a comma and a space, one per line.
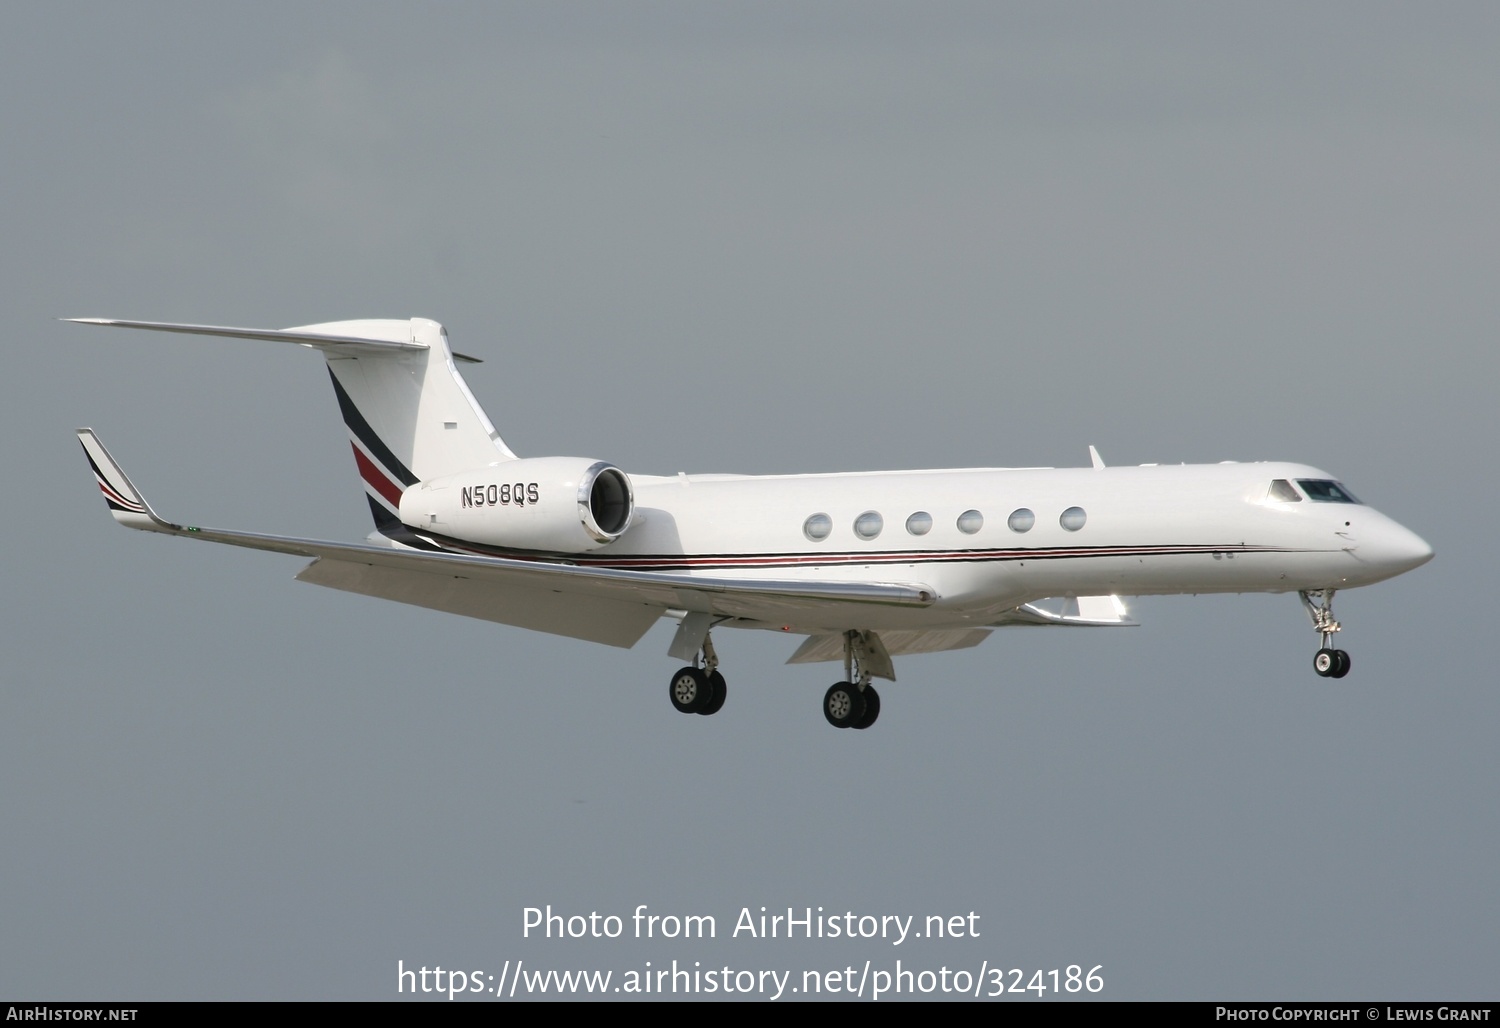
point(556, 504)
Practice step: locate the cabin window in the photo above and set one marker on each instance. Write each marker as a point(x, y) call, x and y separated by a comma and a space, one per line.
point(919, 523)
point(817, 527)
point(1073, 518)
point(970, 521)
point(868, 524)
point(1281, 489)
point(1021, 520)
point(1326, 490)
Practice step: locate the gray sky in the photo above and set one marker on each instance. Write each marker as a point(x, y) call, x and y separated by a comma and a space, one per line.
point(756, 238)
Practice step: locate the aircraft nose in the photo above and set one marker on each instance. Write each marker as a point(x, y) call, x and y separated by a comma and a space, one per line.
point(1395, 548)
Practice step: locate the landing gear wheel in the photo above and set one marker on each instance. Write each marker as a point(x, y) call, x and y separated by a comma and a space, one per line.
point(1343, 664)
point(872, 708)
point(720, 691)
point(691, 691)
point(843, 705)
point(1326, 663)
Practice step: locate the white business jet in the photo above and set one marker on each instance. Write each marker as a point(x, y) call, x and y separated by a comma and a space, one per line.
point(866, 566)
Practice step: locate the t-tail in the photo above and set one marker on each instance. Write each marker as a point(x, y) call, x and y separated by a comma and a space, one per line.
point(410, 415)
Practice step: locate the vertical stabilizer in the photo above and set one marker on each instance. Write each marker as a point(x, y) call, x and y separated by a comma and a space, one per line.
point(409, 413)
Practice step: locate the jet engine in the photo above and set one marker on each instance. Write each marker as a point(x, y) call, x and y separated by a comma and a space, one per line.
point(553, 504)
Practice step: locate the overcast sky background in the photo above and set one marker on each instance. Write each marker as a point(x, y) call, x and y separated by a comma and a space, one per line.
point(754, 238)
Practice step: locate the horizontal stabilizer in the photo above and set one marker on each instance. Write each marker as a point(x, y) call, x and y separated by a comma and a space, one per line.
point(377, 336)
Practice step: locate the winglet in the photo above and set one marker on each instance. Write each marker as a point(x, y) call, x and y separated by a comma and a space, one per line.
point(1094, 456)
point(125, 501)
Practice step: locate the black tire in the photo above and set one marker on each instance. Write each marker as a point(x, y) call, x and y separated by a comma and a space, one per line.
point(843, 705)
point(690, 690)
point(1343, 668)
point(1326, 662)
point(872, 708)
point(720, 691)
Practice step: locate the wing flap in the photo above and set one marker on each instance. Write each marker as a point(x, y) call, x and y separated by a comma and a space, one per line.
point(594, 618)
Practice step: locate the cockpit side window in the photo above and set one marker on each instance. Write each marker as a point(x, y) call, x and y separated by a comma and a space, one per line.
point(1281, 489)
point(1326, 491)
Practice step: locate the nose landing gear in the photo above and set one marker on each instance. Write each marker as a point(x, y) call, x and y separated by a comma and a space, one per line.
point(1327, 662)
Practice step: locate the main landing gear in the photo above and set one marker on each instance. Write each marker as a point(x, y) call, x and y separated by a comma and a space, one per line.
point(1328, 662)
point(853, 703)
point(700, 689)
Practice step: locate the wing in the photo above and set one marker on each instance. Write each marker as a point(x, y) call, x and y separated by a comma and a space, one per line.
point(598, 604)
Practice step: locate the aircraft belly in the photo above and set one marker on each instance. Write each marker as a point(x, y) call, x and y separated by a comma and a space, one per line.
point(968, 595)
point(1219, 571)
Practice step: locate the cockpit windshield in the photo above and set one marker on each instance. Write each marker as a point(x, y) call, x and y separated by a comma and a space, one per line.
point(1282, 490)
point(1326, 490)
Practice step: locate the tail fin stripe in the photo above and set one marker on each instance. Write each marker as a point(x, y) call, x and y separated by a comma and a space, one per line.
point(361, 430)
point(375, 478)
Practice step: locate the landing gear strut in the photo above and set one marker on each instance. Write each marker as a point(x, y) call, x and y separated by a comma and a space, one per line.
point(852, 703)
point(1327, 662)
point(699, 689)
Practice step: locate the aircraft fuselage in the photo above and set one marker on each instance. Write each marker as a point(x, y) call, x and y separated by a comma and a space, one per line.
point(1152, 529)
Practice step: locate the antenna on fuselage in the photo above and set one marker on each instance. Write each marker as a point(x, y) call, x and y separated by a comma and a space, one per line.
point(1094, 456)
